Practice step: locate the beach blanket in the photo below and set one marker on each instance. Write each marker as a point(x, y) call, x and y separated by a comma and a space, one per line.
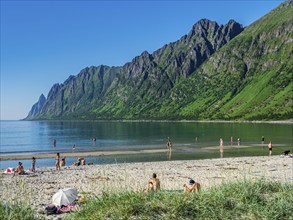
point(68, 208)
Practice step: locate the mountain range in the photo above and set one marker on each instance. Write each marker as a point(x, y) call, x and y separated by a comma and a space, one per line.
point(215, 72)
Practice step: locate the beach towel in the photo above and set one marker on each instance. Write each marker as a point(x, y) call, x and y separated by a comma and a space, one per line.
point(68, 208)
point(9, 170)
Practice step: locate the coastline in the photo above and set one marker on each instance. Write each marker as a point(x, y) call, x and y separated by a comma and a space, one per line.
point(92, 180)
point(79, 154)
point(288, 121)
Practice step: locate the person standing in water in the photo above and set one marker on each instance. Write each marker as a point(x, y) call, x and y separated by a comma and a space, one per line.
point(270, 146)
point(54, 142)
point(33, 164)
point(221, 147)
point(238, 140)
point(169, 144)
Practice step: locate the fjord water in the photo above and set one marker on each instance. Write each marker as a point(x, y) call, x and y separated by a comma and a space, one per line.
point(35, 137)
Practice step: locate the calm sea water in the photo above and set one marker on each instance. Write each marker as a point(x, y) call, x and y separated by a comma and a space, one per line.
point(34, 137)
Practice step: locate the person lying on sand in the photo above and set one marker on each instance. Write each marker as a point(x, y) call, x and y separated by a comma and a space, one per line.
point(192, 186)
point(153, 183)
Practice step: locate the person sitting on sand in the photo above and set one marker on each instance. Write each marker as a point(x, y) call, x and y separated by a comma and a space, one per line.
point(154, 183)
point(19, 169)
point(192, 186)
point(78, 162)
point(62, 162)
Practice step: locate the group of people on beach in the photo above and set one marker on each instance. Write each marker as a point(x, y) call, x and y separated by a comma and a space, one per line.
point(270, 145)
point(20, 170)
point(154, 185)
point(80, 161)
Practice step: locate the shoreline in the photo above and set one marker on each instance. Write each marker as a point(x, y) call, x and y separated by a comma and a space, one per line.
point(117, 152)
point(288, 121)
point(37, 189)
point(79, 154)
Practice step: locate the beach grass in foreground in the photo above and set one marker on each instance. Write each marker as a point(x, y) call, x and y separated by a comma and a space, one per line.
point(242, 200)
point(247, 199)
point(17, 211)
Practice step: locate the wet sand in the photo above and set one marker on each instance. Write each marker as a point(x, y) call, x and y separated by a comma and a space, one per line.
point(80, 154)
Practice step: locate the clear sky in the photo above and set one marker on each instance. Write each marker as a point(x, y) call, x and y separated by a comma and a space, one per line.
point(43, 42)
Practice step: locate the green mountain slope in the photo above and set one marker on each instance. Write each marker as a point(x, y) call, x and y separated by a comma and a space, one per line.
point(214, 72)
point(250, 78)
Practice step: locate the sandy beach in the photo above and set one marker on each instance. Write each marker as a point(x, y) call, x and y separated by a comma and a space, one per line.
point(91, 180)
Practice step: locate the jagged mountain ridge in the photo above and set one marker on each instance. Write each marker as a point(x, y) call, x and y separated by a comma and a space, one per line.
point(148, 75)
point(199, 76)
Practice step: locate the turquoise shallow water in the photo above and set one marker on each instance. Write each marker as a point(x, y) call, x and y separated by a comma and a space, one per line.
point(35, 137)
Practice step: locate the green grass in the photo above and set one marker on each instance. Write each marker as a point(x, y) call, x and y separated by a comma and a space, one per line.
point(17, 211)
point(242, 200)
point(248, 199)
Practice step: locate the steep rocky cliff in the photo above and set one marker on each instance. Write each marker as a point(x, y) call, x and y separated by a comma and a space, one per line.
point(108, 92)
point(213, 72)
point(36, 109)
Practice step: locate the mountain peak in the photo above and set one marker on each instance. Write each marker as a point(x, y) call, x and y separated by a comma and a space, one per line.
point(37, 108)
point(42, 97)
point(195, 77)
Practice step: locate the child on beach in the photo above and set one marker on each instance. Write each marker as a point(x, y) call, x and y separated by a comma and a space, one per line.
point(62, 163)
point(33, 164)
point(57, 158)
point(153, 183)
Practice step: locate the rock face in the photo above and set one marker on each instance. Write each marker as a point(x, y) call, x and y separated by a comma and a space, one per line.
point(211, 73)
point(36, 109)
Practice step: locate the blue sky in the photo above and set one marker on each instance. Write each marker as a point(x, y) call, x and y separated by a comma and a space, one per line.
point(43, 42)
